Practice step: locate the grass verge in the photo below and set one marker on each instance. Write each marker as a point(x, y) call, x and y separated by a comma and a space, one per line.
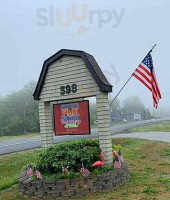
point(12, 164)
point(159, 127)
point(4, 138)
point(149, 163)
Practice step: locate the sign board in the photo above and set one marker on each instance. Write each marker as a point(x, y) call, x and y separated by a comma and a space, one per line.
point(72, 118)
point(71, 75)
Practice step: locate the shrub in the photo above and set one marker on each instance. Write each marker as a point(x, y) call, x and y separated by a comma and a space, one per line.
point(71, 153)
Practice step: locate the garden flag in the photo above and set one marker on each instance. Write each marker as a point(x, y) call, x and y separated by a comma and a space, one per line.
point(30, 171)
point(38, 174)
point(145, 74)
point(84, 172)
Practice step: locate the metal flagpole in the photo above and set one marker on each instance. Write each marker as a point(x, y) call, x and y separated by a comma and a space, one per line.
point(128, 80)
point(120, 90)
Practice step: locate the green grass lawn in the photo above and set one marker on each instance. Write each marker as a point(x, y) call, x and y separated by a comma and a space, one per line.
point(159, 127)
point(149, 163)
point(4, 138)
point(12, 164)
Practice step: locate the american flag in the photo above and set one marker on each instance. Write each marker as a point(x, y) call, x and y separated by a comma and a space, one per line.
point(117, 163)
point(84, 172)
point(30, 171)
point(38, 174)
point(120, 157)
point(145, 73)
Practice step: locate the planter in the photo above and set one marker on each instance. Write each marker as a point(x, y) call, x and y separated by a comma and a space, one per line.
point(77, 187)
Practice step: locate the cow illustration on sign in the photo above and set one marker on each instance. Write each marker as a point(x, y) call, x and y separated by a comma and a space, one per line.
point(70, 117)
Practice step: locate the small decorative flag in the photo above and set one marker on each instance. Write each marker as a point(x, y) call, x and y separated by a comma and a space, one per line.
point(38, 174)
point(30, 171)
point(145, 74)
point(84, 172)
point(65, 169)
point(117, 163)
point(120, 157)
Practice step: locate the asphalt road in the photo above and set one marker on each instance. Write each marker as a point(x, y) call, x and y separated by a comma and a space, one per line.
point(35, 142)
point(157, 136)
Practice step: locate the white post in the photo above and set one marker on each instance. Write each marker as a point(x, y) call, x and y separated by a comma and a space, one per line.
point(103, 117)
point(46, 125)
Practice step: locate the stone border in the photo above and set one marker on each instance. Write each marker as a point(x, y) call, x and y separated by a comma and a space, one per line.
point(77, 187)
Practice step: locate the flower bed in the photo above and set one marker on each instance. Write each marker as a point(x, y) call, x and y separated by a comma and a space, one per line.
point(76, 187)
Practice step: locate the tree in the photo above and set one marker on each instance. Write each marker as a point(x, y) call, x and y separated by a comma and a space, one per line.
point(19, 112)
point(132, 105)
point(148, 114)
point(115, 111)
point(115, 106)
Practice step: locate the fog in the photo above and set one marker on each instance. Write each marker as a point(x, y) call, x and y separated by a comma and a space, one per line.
point(117, 33)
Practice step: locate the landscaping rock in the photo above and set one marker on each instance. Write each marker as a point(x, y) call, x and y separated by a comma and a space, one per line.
point(77, 187)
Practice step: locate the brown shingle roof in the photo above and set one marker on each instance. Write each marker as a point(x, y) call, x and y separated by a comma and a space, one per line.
point(90, 62)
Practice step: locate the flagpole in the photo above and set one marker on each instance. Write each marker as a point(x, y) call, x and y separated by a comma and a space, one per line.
point(120, 90)
point(152, 48)
point(128, 79)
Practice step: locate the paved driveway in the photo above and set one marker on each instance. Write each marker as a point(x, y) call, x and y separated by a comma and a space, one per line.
point(158, 136)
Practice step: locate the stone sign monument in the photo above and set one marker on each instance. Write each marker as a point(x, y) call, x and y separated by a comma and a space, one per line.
point(69, 76)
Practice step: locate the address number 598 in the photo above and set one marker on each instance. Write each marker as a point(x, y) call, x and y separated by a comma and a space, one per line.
point(68, 89)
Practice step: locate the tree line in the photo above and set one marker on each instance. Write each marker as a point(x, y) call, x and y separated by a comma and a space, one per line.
point(124, 110)
point(19, 112)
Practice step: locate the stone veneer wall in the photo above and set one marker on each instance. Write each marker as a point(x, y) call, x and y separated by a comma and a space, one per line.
point(76, 187)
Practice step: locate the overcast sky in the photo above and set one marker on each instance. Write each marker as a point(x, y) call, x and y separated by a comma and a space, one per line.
point(118, 33)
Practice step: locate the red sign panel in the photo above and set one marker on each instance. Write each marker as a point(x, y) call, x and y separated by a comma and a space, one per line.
point(72, 118)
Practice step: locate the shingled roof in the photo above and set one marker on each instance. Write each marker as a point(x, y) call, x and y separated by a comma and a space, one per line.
point(90, 62)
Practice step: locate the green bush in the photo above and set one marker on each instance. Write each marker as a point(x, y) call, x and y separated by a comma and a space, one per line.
point(71, 153)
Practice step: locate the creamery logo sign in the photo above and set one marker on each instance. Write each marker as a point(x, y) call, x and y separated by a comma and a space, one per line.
point(70, 116)
point(78, 19)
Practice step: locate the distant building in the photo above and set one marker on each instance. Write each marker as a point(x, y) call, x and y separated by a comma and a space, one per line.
point(133, 117)
point(116, 117)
